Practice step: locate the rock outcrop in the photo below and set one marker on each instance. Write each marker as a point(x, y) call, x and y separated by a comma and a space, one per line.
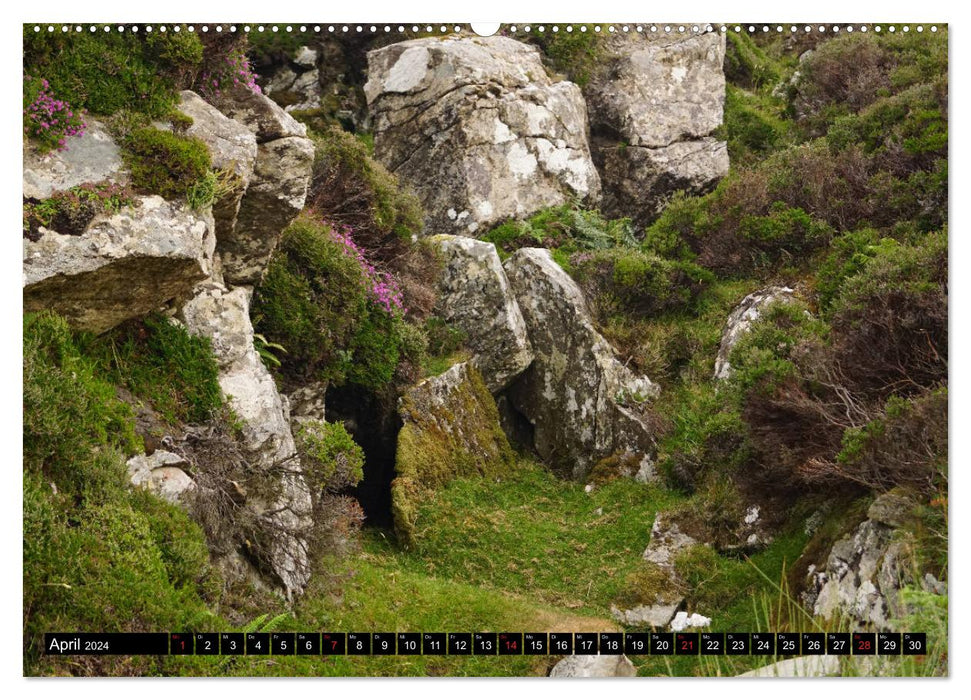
point(583, 403)
point(161, 473)
point(124, 266)
point(865, 570)
point(585, 666)
point(477, 128)
point(654, 106)
point(475, 298)
point(91, 157)
point(222, 316)
point(232, 148)
point(278, 187)
point(450, 428)
point(741, 319)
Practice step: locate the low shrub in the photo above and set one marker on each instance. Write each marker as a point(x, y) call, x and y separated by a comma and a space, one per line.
point(75, 431)
point(576, 54)
point(160, 362)
point(70, 211)
point(750, 126)
point(567, 228)
point(350, 189)
point(633, 282)
point(339, 318)
point(331, 460)
point(746, 64)
point(106, 72)
point(164, 163)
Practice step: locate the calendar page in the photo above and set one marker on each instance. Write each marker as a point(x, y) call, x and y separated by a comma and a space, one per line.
point(443, 349)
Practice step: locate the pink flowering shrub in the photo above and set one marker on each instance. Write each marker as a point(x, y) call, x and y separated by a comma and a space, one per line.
point(47, 120)
point(382, 286)
point(233, 70)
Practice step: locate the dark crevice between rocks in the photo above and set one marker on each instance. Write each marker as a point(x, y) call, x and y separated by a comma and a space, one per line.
point(373, 422)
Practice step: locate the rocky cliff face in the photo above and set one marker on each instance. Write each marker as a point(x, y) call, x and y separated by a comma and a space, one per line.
point(157, 253)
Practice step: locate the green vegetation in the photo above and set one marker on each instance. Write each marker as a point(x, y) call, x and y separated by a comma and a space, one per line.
point(575, 54)
point(565, 229)
point(96, 556)
point(167, 164)
point(106, 72)
point(315, 301)
point(438, 443)
point(158, 361)
point(329, 456)
point(70, 211)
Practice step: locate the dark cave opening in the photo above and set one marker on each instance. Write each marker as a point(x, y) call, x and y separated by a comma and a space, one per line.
point(373, 422)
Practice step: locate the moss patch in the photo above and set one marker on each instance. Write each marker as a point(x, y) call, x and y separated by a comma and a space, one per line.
point(165, 163)
point(446, 434)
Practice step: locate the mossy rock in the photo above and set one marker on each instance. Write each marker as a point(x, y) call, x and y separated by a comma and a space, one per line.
point(450, 429)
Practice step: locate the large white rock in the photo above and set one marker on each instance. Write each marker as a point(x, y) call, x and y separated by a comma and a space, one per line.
point(223, 317)
point(474, 297)
point(740, 321)
point(92, 157)
point(654, 105)
point(585, 666)
point(583, 403)
point(477, 128)
point(124, 266)
point(161, 473)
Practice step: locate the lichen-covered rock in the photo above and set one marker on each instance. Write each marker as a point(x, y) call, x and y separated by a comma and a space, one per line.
point(275, 196)
point(586, 666)
point(161, 473)
point(666, 542)
point(308, 402)
point(277, 189)
point(223, 317)
point(232, 147)
point(654, 106)
point(91, 157)
point(658, 615)
point(474, 297)
point(124, 266)
point(258, 113)
point(477, 128)
point(583, 403)
point(862, 576)
point(450, 428)
point(741, 319)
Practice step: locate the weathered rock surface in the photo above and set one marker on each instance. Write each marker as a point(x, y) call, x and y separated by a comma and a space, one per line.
point(865, 570)
point(666, 542)
point(658, 615)
point(638, 181)
point(584, 404)
point(309, 402)
point(261, 115)
point(162, 474)
point(477, 128)
point(653, 108)
point(232, 147)
point(223, 317)
point(92, 157)
point(584, 666)
point(450, 428)
point(124, 266)
point(682, 621)
point(277, 189)
point(741, 319)
point(474, 297)
point(274, 198)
